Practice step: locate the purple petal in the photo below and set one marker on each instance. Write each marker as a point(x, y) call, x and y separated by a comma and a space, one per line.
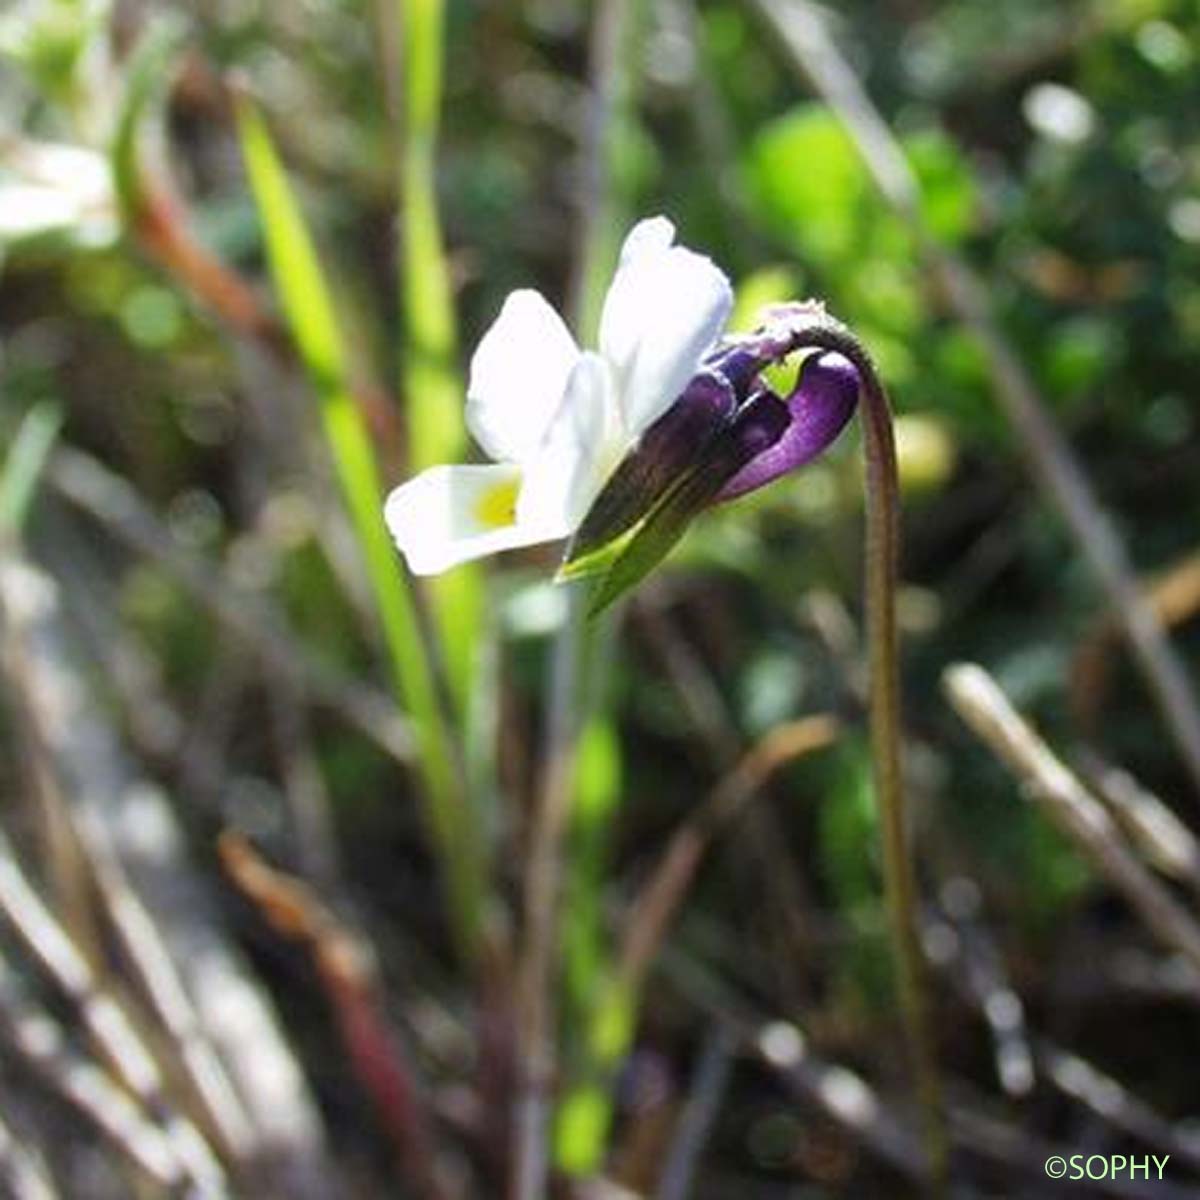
point(761, 423)
point(819, 406)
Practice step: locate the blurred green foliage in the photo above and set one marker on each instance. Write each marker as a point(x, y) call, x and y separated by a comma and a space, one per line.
point(1057, 146)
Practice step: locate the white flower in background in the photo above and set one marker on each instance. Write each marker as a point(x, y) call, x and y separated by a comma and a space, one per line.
point(555, 419)
point(51, 188)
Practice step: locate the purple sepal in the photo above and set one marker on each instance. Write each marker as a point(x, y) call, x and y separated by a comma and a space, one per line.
point(667, 450)
point(819, 407)
point(759, 422)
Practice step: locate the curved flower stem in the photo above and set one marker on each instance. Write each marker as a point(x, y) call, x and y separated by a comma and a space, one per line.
point(803, 35)
point(882, 559)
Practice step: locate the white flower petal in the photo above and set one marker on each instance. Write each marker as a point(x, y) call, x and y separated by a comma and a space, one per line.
point(27, 210)
point(654, 233)
point(582, 448)
point(82, 172)
point(448, 515)
point(518, 375)
point(666, 306)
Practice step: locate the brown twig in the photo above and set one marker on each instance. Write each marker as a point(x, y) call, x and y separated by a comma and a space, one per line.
point(373, 1046)
point(1069, 805)
point(975, 966)
point(1018, 1152)
point(107, 1024)
point(655, 906)
point(803, 36)
point(1164, 840)
point(840, 1093)
point(52, 738)
point(96, 779)
point(163, 230)
point(160, 984)
point(1114, 1104)
point(767, 853)
point(972, 963)
point(1174, 597)
point(162, 226)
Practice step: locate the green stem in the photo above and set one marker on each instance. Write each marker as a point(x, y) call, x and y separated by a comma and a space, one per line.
point(573, 708)
point(882, 553)
point(543, 880)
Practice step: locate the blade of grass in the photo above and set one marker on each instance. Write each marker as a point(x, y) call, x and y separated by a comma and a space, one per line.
point(583, 1117)
point(430, 382)
point(146, 74)
point(31, 447)
point(310, 315)
point(435, 426)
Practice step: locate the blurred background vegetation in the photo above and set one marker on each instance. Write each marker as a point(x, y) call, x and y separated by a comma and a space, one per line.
point(242, 266)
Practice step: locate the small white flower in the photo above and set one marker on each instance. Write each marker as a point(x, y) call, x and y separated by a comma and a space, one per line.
point(558, 420)
point(55, 188)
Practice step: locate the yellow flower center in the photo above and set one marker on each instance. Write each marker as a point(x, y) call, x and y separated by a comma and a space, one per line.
point(496, 506)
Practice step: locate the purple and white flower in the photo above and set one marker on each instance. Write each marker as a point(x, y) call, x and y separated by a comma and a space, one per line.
point(557, 420)
point(663, 419)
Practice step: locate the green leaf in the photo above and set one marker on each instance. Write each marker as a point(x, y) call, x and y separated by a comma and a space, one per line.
point(948, 198)
point(808, 181)
point(309, 309)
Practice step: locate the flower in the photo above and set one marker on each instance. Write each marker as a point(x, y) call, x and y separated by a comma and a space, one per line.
point(556, 420)
point(52, 188)
point(728, 433)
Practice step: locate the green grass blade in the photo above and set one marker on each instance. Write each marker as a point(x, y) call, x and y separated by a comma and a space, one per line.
point(145, 79)
point(435, 422)
point(31, 447)
point(309, 310)
point(584, 1114)
point(430, 382)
